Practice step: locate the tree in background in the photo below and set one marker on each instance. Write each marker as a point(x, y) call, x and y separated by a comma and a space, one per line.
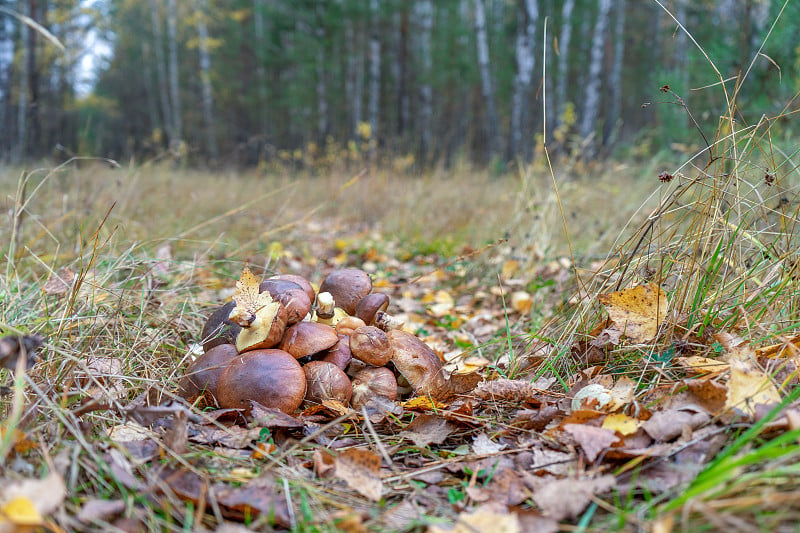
point(299, 82)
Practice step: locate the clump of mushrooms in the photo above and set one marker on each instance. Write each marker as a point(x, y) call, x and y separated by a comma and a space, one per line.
point(280, 343)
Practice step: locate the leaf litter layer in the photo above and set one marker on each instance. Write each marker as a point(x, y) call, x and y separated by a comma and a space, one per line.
point(655, 387)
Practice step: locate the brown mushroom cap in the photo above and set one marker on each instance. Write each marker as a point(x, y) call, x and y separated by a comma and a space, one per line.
point(370, 305)
point(272, 378)
point(347, 286)
point(308, 338)
point(348, 324)
point(370, 382)
point(300, 280)
point(418, 363)
point(293, 297)
point(339, 354)
point(326, 381)
point(204, 372)
point(371, 345)
point(218, 329)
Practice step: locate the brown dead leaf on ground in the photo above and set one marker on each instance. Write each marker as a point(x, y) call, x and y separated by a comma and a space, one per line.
point(666, 425)
point(567, 498)
point(592, 440)
point(482, 520)
point(361, 470)
point(637, 312)
point(428, 429)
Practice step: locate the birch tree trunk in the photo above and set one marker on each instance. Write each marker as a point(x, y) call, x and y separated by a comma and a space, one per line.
point(374, 69)
point(424, 13)
point(400, 69)
point(35, 133)
point(487, 87)
point(174, 77)
point(261, 73)
point(161, 71)
point(527, 18)
point(613, 119)
point(592, 94)
point(563, 58)
point(22, 99)
point(205, 78)
point(354, 79)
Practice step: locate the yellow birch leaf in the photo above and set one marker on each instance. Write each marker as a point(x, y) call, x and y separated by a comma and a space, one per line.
point(21, 511)
point(637, 312)
point(621, 423)
point(749, 387)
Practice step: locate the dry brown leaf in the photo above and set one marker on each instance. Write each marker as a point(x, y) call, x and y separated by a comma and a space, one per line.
point(637, 312)
point(666, 425)
point(483, 445)
point(709, 394)
point(257, 498)
point(482, 520)
point(95, 510)
point(428, 429)
point(593, 440)
point(695, 364)
point(788, 348)
point(361, 470)
point(175, 439)
point(13, 347)
point(749, 387)
point(60, 283)
point(567, 498)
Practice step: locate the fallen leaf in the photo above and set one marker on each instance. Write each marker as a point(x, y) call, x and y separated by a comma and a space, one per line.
point(60, 283)
point(428, 429)
point(666, 425)
point(26, 502)
point(567, 498)
point(637, 312)
point(361, 470)
point(749, 387)
point(521, 302)
point(257, 498)
point(695, 364)
point(621, 423)
point(512, 390)
point(482, 520)
point(592, 440)
point(423, 403)
point(96, 510)
point(483, 445)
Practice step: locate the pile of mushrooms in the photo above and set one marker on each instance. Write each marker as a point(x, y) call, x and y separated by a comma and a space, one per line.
point(297, 344)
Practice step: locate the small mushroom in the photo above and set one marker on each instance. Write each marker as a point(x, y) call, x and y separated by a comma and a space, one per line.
point(300, 280)
point(347, 286)
point(339, 354)
point(293, 297)
point(370, 305)
point(348, 325)
point(326, 381)
point(371, 382)
point(272, 378)
point(371, 345)
point(419, 364)
point(203, 374)
point(307, 338)
point(218, 329)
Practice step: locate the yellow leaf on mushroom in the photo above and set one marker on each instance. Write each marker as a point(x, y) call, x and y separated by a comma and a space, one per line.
point(248, 299)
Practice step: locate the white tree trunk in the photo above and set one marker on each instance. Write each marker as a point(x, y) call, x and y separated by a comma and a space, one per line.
point(527, 18)
point(22, 100)
point(424, 15)
point(487, 86)
point(174, 77)
point(563, 58)
point(613, 119)
point(205, 78)
point(592, 94)
point(354, 79)
point(374, 69)
point(161, 71)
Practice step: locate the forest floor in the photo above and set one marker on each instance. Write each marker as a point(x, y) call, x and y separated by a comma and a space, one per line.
point(622, 340)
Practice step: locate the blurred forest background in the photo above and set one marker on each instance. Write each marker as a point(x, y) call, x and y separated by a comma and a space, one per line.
point(411, 82)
